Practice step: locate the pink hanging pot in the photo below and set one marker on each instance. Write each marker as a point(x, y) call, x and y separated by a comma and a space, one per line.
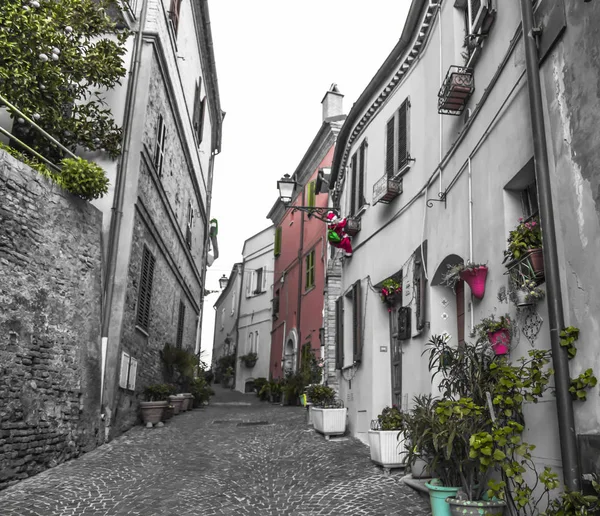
point(500, 341)
point(475, 278)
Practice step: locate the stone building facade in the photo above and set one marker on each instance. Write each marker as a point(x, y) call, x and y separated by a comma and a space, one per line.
point(50, 299)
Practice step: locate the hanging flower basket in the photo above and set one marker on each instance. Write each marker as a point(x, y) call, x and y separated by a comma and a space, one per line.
point(475, 277)
point(500, 341)
point(391, 293)
point(536, 259)
point(522, 298)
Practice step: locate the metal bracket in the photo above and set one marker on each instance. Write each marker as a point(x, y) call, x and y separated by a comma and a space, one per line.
point(442, 198)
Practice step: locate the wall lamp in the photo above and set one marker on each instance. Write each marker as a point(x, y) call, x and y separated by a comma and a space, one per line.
point(287, 186)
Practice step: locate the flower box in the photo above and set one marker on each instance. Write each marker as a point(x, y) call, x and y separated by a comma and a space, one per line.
point(329, 421)
point(352, 226)
point(456, 90)
point(387, 449)
point(386, 189)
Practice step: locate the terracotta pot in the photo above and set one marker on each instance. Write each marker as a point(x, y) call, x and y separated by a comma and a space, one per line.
point(536, 259)
point(152, 411)
point(475, 507)
point(500, 340)
point(475, 278)
point(176, 401)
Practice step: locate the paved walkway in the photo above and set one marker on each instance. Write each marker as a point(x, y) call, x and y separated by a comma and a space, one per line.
point(208, 462)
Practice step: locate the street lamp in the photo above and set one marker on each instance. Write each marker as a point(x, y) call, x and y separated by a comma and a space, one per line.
point(287, 186)
point(223, 280)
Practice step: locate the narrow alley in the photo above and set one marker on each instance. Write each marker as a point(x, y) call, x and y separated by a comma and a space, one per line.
point(236, 456)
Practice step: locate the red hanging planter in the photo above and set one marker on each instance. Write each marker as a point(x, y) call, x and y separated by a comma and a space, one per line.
point(500, 341)
point(475, 278)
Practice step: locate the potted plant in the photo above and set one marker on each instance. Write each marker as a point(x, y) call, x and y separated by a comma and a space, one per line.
point(525, 242)
point(249, 360)
point(391, 293)
point(328, 414)
point(201, 391)
point(495, 331)
point(153, 409)
point(474, 274)
point(275, 391)
point(526, 291)
point(386, 443)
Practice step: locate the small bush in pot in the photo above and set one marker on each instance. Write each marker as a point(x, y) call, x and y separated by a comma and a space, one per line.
point(320, 395)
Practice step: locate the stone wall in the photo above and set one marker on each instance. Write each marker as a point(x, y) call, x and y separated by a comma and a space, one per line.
point(333, 290)
point(50, 300)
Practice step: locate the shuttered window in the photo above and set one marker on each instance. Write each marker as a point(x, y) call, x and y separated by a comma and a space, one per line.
point(353, 185)
point(145, 289)
point(360, 190)
point(128, 372)
point(403, 135)
point(357, 335)
point(159, 149)
point(389, 152)
point(174, 11)
point(420, 291)
point(180, 324)
point(277, 247)
point(189, 224)
point(310, 270)
point(339, 333)
point(276, 304)
point(199, 108)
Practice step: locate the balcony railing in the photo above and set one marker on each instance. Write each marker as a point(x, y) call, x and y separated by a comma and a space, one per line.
point(386, 189)
point(456, 90)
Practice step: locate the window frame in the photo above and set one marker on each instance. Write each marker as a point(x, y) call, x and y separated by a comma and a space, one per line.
point(189, 225)
point(144, 301)
point(396, 128)
point(277, 242)
point(174, 13)
point(310, 282)
point(159, 145)
point(180, 324)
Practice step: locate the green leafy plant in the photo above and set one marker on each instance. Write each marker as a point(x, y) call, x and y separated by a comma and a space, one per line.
point(249, 359)
point(159, 392)
point(223, 363)
point(201, 391)
point(452, 276)
point(320, 395)
point(579, 385)
point(390, 292)
point(180, 365)
point(82, 178)
point(576, 503)
point(57, 60)
point(489, 325)
point(568, 336)
point(259, 383)
point(527, 235)
point(391, 418)
point(311, 367)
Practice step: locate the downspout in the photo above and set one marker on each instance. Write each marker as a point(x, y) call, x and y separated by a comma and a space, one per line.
point(299, 311)
point(237, 320)
point(564, 406)
point(470, 178)
point(119, 198)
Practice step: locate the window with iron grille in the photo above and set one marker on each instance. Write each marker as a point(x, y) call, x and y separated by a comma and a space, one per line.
point(159, 149)
point(145, 289)
point(180, 324)
point(174, 11)
point(397, 155)
point(310, 270)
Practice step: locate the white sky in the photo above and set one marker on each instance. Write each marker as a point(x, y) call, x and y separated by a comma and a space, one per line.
point(275, 61)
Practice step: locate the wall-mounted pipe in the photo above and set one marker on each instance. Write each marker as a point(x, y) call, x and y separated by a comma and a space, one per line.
point(564, 404)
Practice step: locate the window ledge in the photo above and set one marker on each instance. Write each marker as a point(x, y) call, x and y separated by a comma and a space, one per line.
point(141, 330)
point(309, 289)
point(359, 213)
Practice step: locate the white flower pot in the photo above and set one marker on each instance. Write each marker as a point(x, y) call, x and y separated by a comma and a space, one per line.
point(387, 449)
point(329, 421)
point(309, 419)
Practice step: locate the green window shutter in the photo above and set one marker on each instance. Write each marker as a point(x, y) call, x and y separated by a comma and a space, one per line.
point(277, 247)
point(403, 134)
point(311, 194)
point(353, 185)
point(339, 333)
point(361, 175)
point(389, 153)
point(357, 341)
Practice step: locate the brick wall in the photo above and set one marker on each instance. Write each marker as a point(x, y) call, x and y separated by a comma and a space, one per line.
point(50, 299)
point(333, 290)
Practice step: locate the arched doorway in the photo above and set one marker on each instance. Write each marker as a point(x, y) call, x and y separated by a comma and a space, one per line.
point(290, 352)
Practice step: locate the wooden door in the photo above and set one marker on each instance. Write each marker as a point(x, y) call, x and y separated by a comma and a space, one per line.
point(396, 359)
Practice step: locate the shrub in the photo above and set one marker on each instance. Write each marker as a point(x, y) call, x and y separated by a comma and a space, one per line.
point(320, 395)
point(159, 392)
point(390, 419)
point(82, 178)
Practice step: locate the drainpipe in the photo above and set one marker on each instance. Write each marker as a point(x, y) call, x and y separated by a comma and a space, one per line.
point(119, 197)
point(564, 405)
point(299, 311)
point(470, 176)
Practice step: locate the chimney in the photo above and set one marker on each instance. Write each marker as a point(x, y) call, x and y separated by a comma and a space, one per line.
point(332, 103)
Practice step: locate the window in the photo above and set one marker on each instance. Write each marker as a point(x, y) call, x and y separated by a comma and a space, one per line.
point(180, 323)
point(199, 109)
point(276, 304)
point(174, 11)
point(233, 298)
point(357, 335)
point(189, 224)
point(256, 282)
point(159, 149)
point(357, 172)
point(222, 318)
point(277, 247)
point(259, 274)
point(128, 372)
point(145, 289)
point(311, 194)
point(529, 200)
point(339, 333)
point(250, 342)
point(310, 270)
point(397, 156)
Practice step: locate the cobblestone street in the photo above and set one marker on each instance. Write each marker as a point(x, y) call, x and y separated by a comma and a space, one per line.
point(219, 460)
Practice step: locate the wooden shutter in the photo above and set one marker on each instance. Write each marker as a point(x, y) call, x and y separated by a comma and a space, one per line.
point(311, 195)
point(389, 152)
point(361, 175)
point(180, 323)
point(353, 185)
point(197, 110)
point(277, 247)
point(132, 374)
point(249, 282)
point(339, 333)
point(201, 119)
point(159, 150)
point(403, 134)
point(124, 370)
point(357, 340)
point(145, 290)
point(420, 291)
